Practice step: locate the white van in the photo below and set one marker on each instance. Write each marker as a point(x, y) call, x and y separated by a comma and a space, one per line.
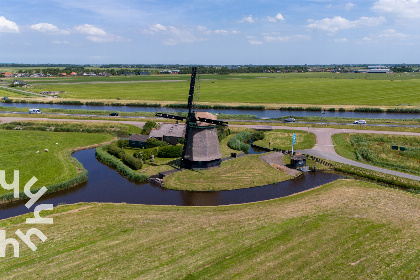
point(35, 111)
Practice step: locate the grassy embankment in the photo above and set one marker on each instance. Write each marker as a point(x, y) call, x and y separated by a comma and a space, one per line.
point(305, 88)
point(344, 230)
point(19, 149)
point(377, 150)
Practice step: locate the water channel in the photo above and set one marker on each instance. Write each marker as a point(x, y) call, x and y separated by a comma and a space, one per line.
point(262, 114)
point(106, 185)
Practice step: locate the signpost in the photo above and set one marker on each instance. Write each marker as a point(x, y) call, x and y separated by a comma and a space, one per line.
point(294, 140)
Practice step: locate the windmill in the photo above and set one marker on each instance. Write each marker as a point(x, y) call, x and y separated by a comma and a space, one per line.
point(201, 143)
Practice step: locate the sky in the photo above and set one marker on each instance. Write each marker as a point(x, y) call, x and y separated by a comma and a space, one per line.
point(217, 32)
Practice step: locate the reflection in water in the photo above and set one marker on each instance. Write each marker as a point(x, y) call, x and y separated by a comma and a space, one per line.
point(106, 185)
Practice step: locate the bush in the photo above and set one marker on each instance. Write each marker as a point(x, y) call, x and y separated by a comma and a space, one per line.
point(152, 142)
point(170, 152)
point(132, 162)
point(121, 168)
point(237, 142)
point(123, 143)
point(148, 126)
point(116, 151)
point(259, 135)
point(146, 154)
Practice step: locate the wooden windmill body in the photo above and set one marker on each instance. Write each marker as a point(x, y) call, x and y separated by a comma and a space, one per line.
point(201, 144)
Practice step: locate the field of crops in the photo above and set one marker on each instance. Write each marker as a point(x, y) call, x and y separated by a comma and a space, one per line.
point(293, 88)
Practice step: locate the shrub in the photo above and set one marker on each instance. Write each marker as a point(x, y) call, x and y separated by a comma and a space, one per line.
point(132, 162)
point(123, 143)
point(116, 151)
point(259, 135)
point(146, 154)
point(170, 151)
point(152, 142)
point(148, 126)
point(237, 142)
point(121, 168)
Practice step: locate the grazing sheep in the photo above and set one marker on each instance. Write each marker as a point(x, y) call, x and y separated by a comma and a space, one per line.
point(46, 150)
point(56, 143)
point(37, 151)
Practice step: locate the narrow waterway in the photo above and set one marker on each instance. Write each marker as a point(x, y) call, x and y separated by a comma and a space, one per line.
point(106, 185)
point(262, 114)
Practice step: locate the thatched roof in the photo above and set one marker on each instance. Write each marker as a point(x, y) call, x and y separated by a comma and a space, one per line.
point(169, 129)
point(205, 115)
point(203, 145)
point(139, 137)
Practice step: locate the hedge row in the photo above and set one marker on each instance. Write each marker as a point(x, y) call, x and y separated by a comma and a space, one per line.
point(128, 160)
point(121, 168)
point(78, 179)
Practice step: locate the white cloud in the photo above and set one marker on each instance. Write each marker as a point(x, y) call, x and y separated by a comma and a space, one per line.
point(8, 26)
point(96, 34)
point(88, 29)
point(387, 34)
point(48, 28)
point(284, 39)
point(407, 9)
point(248, 19)
point(278, 17)
point(56, 42)
point(332, 25)
point(172, 35)
point(349, 6)
point(222, 32)
point(341, 40)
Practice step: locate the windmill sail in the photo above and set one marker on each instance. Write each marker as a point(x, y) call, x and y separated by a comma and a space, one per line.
point(201, 142)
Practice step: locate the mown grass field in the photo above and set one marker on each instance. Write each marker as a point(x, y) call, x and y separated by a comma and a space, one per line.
point(18, 152)
point(344, 230)
point(305, 88)
point(377, 150)
point(283, 139)
point(244, 172)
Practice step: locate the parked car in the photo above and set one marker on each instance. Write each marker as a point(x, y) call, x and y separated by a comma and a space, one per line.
point(35, 111)
point(289, 120)
point(114, 114)
point(360, 122)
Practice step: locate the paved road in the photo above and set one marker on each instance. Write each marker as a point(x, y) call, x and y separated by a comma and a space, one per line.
point(324, 147)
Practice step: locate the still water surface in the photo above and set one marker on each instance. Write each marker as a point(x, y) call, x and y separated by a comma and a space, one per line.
point(106, 185)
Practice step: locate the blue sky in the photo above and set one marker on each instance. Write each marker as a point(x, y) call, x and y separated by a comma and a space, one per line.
point(210, 32)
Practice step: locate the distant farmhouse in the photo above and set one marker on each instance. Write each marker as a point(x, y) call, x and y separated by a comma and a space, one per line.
point(374, 69)
point(168, 132)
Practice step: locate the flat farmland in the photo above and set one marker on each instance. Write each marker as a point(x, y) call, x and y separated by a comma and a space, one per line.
point(304, 88)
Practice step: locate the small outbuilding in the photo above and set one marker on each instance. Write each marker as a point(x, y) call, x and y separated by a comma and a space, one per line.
point(169, 132)
point(297, 160)
point(138, 140)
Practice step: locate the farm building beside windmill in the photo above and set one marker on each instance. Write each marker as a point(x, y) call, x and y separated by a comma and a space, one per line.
point(169, 132)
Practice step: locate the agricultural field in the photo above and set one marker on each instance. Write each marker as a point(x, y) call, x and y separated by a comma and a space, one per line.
point(377, 150)
point(302, 88)
point(344, 230)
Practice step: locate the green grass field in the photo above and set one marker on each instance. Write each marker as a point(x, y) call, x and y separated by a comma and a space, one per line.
point(306, 88)
point(18, 152)
point(344, 230)
point(282, 139)
point(244, 172)
point(377, 150)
